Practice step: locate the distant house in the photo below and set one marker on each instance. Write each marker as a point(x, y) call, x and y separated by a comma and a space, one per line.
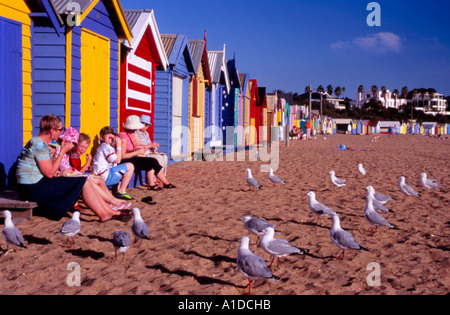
point(388, 99)
point(374, 127)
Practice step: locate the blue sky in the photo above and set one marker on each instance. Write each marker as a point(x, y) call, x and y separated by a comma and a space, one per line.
point(289, 44)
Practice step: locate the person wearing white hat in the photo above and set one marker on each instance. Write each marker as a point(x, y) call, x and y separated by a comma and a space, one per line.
point(150, 146)
point(135, 154)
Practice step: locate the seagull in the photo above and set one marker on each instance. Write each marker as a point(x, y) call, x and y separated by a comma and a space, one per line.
point(278, 247)
point(139, 228)
point(251, 181)
point(428, 183)
point(337, 181)
point(407, 189)
point(361, 169)
point(252, 266)
point(342, 238)
point(71, 227)
point(374, 217)
point(256, 225)
point(121, 242)
point(377, 205)
point(380, 197)
point(275, 179)
point(11, 234)
point(317, 208)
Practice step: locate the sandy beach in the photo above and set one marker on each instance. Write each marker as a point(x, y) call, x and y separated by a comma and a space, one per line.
point(196, 229)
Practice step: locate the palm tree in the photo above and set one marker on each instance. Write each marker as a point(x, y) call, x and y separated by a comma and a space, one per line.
point(343, 90)
point(395, 93)
point(330, 89)
point(338, 91)
point(414, 95)
point(374, 91)
point(384, 94)
point(360, 91)
point(320, 91)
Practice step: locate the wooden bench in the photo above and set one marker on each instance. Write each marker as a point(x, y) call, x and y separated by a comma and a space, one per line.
point(20, 210)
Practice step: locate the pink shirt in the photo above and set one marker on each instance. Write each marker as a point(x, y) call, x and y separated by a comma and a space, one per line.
point(130, 144)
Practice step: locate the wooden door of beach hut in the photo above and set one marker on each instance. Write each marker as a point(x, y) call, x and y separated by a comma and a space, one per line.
point(15, 84)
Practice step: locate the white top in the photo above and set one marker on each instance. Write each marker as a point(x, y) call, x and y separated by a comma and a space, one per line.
point(103, 160)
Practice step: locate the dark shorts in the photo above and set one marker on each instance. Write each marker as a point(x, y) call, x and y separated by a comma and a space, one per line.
point(144, 164)
point(55, 197)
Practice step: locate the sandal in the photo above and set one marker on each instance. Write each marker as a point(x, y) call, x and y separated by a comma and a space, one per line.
point(170, 186)
point(148, 200)
point(155, 188)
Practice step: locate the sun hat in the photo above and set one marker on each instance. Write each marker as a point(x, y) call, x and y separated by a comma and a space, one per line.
point(133, 123)
point(71, 135)
point(145, 119)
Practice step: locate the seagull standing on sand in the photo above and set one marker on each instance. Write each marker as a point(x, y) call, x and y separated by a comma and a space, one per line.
point(256, 225)
point(278, 247)
point(121, 242)
point(337, 181)
point(275, 179)
point(428, 183)
point(380, 197)
point(408, 190)
point(139, 228)
point(361, 169)
point(251, 181)
point(375, 218)
point(252, 266)
point(317, 208)
point(342, 238)
point(11, 234)
point(71, 227)
point(377, 205)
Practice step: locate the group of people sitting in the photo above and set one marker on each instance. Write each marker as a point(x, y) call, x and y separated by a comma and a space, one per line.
point(50, 171)
point(297, 134)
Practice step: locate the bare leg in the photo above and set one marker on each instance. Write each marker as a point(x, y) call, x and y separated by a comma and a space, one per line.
point(127, 178)
point(96, 203)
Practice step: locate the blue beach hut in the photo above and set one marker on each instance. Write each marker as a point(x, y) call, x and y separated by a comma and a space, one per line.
point(172, 98)
point(220, 87)
point(15, 83)
point(76, 51)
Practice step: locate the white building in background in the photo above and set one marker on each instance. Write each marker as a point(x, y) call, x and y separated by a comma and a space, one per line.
point(388, 100)
point(430, 105)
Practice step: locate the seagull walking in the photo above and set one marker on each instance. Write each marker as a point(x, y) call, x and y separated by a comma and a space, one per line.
point(256, 225)
point(317, 208)
point(11, 234)
point(275, 179)
point(428, 183)
point(361, 169)
point(408, 190)
point(377, 205)
point(121, 242)
point(139, 228)
point(342, 238)
point(278, 247)
point(375, 218)
point(337, 181)
point(251, 181)
point(71, 227)
point(252, 266)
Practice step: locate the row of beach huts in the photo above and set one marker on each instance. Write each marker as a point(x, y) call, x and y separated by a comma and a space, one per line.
point(93, 63)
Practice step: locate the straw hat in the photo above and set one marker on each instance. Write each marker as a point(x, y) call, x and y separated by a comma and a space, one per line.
point(133, 123)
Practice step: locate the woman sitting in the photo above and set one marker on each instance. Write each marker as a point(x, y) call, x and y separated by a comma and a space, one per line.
point(135, 155)
point(56, 196)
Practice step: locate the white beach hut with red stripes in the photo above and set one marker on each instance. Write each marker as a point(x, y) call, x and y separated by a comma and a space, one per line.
point(139, 63)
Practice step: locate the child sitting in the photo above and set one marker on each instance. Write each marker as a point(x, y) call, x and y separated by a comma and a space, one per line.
point(84, 141)
point(106, 163)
